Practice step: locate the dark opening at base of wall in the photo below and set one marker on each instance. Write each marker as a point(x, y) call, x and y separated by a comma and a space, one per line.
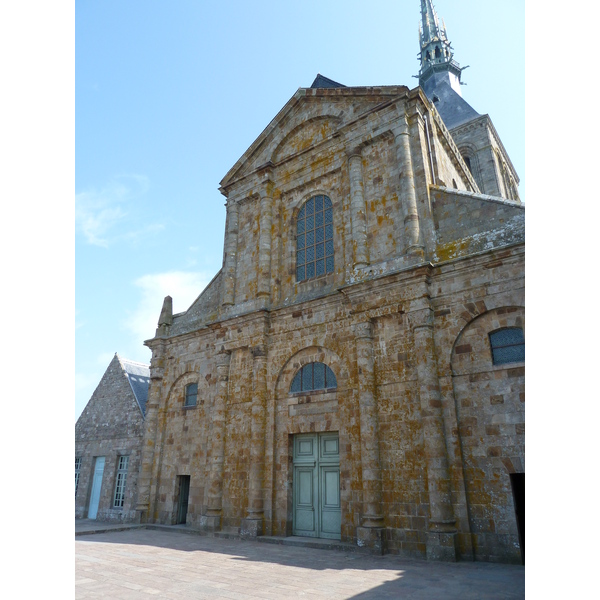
point(517, 482)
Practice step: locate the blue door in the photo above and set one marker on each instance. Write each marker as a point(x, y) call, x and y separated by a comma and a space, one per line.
point(316, 497)
point(96, 487)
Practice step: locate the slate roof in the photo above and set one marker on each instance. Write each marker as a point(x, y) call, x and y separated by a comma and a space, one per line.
point(324, 82)
point(451, 106)
point(453, 109)
point(138, 375)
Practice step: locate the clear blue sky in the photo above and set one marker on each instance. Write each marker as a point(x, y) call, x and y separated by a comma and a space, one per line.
point(168, 95)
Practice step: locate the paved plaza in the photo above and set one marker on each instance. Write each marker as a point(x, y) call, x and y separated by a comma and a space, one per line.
point(146, 563)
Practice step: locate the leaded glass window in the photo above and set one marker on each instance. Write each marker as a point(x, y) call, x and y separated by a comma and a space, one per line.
point(508, 345)
point(191, 394)
point(77, 471)
point(120, 481)
point(314, 239)
point(313, 376)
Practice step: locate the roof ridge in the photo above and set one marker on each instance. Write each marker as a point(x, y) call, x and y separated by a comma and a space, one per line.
point(133, 362)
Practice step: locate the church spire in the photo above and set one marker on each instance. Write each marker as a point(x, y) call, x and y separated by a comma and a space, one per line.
point(436, 52)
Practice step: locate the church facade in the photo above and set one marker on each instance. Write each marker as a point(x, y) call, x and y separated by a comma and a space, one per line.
point(355, 370)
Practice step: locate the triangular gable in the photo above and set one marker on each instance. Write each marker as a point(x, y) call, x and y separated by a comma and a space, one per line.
point(122, 390)
point(282, 125)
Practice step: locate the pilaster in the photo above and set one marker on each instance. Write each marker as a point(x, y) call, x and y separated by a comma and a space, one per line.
point(358, 211)
point(230, 259)
point(265, 236)
point(371, 532)
point(441, 536)
point(252, 525)
point(211, 520)
point(408, 197)
point(145, 478)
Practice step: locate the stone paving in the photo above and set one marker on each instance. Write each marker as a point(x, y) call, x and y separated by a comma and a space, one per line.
point(145, 563)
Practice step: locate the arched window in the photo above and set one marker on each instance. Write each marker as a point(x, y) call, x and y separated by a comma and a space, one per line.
point(468, 162)
point(508, 345)
point(314, 239)
point(191, 394)
point(313, 376)
point(437, 52)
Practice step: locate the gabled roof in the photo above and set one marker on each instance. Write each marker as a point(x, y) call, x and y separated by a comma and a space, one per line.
point(324, 82)
point(138, 375)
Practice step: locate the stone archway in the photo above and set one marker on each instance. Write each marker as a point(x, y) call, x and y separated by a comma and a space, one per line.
point(490, 405)
point(310, 420)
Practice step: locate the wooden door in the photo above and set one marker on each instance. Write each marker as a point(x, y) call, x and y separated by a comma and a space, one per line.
point(316, 486)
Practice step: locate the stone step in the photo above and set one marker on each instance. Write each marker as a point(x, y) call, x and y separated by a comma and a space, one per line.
point(309, 542)
point(228, 533)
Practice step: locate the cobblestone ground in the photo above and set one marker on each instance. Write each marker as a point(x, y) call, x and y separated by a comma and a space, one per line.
point(163, 564)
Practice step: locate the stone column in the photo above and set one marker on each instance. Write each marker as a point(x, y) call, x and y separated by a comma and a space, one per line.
point(230, 259)
point(371, 532)
point(408, 195)
point(143, 507)
point(441, 537)
point(252, 525)
point(357, 209)
point(214, 490)
point(264, 242)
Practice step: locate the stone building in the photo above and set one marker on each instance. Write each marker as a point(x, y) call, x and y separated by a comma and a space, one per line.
point(355, 370)
point(108, 442)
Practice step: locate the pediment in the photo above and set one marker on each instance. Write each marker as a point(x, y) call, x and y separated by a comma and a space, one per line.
point(308, 133)
point(310, 117)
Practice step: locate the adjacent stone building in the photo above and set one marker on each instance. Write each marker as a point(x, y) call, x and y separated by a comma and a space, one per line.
point(355, 370)
point(108, 441)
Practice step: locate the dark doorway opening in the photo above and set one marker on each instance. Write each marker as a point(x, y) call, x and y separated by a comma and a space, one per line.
point(182, 503)
point(517, 482)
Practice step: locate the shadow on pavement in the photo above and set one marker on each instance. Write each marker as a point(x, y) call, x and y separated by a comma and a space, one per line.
point(412, 578)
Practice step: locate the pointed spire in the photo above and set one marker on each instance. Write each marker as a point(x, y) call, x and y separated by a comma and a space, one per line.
point(435, 47)
point(436, 54)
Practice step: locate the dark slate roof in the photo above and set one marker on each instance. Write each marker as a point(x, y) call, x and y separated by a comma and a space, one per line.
point(324, 82)
point(138, 376)
point(451, 106)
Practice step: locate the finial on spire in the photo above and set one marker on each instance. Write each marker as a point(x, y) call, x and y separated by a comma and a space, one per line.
point(436, 52)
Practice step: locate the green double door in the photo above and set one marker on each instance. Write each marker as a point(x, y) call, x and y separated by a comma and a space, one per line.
point(317, 510)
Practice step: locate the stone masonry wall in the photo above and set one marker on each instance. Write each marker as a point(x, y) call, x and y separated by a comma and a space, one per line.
point(323, 331)
point(467, 223)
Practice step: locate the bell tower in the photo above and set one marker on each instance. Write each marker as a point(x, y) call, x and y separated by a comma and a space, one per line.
point(474, 134)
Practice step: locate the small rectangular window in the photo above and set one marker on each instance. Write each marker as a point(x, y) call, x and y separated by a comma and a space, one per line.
point(191, 394)
point(121, 481)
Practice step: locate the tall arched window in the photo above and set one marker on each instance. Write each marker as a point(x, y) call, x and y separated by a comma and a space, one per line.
point(313, 376)
point(314, 239)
